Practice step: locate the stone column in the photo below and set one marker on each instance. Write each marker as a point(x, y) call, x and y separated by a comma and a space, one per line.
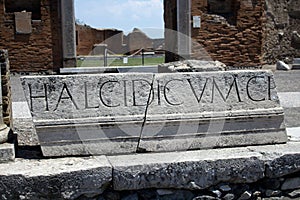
point(184, 28)
point(68, 33)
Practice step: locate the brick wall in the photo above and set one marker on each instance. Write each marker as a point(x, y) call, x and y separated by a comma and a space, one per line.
point(240, 32)
point(38, 51)
point(232, 35)
point(88, 36)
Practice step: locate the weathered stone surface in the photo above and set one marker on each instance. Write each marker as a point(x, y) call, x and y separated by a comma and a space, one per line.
point(125, 113)
point(191, 66)
point(225, 188)
point(7, 152)
point(179, 170)
point(229, 196)
point(66, 178)
point(23, 22)
point(282, 159)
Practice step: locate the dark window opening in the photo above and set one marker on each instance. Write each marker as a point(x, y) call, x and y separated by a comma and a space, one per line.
point(33, 6)
point(225, 8)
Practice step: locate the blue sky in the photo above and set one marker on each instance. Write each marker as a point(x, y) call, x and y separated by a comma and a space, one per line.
point(122, 14)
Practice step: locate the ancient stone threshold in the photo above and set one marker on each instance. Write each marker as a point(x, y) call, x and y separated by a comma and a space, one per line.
point(87, 177)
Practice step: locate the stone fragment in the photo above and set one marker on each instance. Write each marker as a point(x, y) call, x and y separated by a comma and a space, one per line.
point(217, 193)
point(282, 66)
point(245, 196)
point(257, 193)
point(63, 178)
point(291, 184)
point(294, 194)
point(229, 196)
point(273, 193)
point(225, 188)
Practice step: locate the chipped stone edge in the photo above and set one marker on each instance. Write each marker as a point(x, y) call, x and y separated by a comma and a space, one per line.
point(177, 170)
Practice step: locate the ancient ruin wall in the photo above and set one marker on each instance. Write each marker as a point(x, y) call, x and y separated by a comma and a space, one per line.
point(39, 50)
point(282, 18)
point(87, 37)
point(231, 30)
point(137, 40)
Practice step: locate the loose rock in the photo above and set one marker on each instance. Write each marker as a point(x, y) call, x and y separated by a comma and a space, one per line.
point(282, 66)
point(229, 196)
point(245, 196)
point(225, 188)
point(294, 194)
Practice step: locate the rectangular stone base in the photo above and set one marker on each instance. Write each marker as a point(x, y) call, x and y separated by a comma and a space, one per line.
point(143, 112)
point(162, 136)
point(7, 152)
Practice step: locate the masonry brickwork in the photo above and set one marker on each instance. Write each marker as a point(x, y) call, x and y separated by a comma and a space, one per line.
point(232, 36)
point(39, 50)
point(87, 37)
point(282, 24)
point(115, 40)
point(239, 33)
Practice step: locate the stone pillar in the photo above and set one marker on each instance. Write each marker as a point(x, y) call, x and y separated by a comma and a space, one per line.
point(68, 33)
point(184, 28)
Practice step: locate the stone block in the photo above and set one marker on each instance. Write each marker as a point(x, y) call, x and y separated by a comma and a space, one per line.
point(128, 113)
point(63, 178)
point(186, 170)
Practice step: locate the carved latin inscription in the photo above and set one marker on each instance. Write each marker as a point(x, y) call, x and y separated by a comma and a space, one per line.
point(163, 90)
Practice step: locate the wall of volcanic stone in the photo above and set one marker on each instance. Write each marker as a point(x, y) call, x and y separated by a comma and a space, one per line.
point(282, 25)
